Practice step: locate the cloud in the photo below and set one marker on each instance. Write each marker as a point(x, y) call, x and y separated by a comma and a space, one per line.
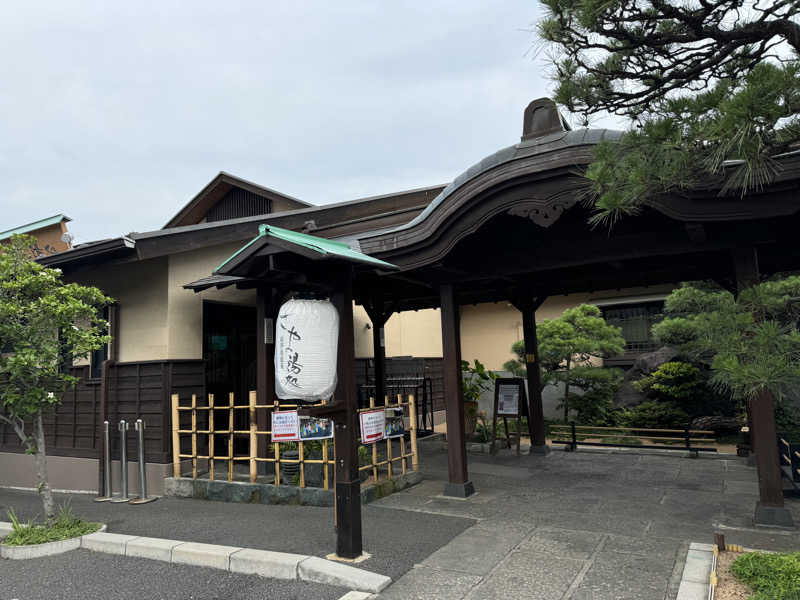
point(118, 114)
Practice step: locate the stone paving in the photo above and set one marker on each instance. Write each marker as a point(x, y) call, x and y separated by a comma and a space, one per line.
point(580, 526)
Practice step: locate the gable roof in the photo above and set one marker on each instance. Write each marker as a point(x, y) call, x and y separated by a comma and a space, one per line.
point(40, 224)
point(310, 246)
point(194, 211)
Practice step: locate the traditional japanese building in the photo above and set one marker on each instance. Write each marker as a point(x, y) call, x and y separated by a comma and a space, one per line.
point(504, 240)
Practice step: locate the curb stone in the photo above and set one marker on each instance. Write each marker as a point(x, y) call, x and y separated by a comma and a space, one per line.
point(110, 543)
point(320, 570)
point(358, 596)
point(278, 565)
point(39, 550)
point(203, 555)
point(696, 572)
point(152, 548)
point(266, 563)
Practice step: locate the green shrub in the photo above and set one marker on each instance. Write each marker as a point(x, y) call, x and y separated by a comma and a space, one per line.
point(772, 576)
point(364, 456)
point(686, 386)
point(672, 380)
point(595, 406)
point(66, 525)
point(654, 415)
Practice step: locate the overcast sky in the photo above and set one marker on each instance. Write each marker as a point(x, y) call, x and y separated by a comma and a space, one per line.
point(116, 114)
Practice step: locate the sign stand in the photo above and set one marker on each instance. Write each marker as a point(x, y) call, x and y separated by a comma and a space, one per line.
point(510, 400)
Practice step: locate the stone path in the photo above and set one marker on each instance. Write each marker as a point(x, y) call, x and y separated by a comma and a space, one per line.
point(580, 526)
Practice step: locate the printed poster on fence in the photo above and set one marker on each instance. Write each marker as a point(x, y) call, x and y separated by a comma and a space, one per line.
point(395, 427)
point(373, 425)
point(315, 428)
point(285, 426)
point(508, 400)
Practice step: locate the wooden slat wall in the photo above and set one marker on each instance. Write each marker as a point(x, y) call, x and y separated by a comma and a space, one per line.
point(136, 390)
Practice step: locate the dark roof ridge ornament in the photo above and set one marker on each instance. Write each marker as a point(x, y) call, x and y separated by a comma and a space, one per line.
point(542, 118)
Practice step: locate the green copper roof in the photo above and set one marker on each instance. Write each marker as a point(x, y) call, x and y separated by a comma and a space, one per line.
point(34, 226)
point(323, 247)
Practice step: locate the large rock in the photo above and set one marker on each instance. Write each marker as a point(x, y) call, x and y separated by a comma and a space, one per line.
point(718, 424)
point(627, 395)
point(647, 363)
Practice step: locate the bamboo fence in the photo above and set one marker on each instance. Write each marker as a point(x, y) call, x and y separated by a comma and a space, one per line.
point(198, 423)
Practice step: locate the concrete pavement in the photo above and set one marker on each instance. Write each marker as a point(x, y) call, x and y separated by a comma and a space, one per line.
point(569, 526)
point(581, 526)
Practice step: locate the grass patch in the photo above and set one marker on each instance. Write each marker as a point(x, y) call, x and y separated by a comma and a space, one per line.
point(66, 525)
point(772, 576)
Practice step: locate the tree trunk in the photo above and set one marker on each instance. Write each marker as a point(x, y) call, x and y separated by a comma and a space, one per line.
point(41, 469)
point(566, 394)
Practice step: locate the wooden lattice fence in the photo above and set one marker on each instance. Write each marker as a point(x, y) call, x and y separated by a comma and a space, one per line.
point(212, 432)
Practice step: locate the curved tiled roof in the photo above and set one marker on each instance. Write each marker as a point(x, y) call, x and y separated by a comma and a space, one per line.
point(526, 149)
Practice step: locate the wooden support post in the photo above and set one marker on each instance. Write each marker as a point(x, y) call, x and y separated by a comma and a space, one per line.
point(211, 437)
point(458, 483)
point(348, 484)
point(266, 310)
point(194, 436)
point(325, 477)
point(230, 436)
point(412, 416)
point(533, 375)
point(769, 509)
point(176, 438)
point(378, 316)
point(374, 449)
point(402, 439)
point(379, 352)
point(300, 455)
point(105, 367)
point(253, 438)
point(276, 447)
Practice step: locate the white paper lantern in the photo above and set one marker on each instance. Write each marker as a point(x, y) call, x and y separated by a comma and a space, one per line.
point(306, 345)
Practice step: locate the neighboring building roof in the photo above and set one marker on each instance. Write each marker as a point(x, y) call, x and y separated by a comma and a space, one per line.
point(194, 211)
point(40, 224)
point(308, 211)
point(96, 251)
point(310, 246)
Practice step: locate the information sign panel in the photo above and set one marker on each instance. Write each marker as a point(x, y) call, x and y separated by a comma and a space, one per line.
point(395, 426)
point(508, 399)
point(285, 426)
point(315, 428)
point(373, 425)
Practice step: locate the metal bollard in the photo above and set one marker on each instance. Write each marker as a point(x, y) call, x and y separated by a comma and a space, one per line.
point(142, 499)
point(123, 462)
point(106, 465)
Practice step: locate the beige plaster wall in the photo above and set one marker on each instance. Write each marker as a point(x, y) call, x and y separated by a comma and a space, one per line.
point(185, 307)
point(487, 330)
point(140, 288)
point(412, 333)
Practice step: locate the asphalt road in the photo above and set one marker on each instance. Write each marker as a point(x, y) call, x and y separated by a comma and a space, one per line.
point(85, 575)
point(396, 539)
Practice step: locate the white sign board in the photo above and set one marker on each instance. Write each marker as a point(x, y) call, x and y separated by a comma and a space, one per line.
point(508, 400)
point(373, 425)
point(285, 426)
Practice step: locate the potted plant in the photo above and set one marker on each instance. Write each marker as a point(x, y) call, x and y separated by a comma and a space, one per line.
point(475, 380)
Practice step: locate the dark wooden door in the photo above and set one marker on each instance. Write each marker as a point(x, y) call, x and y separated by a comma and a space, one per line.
point(229, 353)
